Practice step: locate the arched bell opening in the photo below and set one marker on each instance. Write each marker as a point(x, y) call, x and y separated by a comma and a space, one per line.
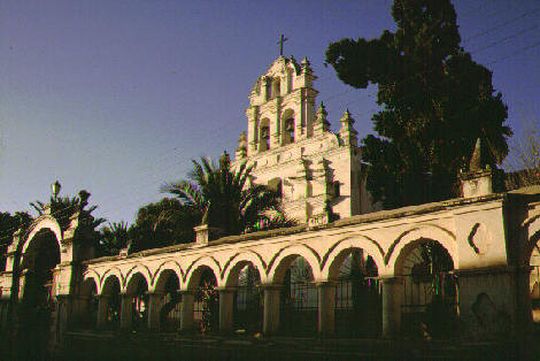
point(137, 290)
point(111, 297)
point(206, 306)
point(289, 127)
point(264, 137)
point(88, 305)
point(170, 313)
point(358, 302)
point(429, 305)
point(248, 299)
point(299, 300)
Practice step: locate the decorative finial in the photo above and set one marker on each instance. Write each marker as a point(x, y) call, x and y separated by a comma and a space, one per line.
point(475, 164)
point(347, 133)
point(321, 123)
point(282, 39)
point(241, 151)
point(55, 189)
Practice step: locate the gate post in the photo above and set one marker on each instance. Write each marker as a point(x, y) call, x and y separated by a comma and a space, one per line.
point(271, 309)
point(186, 317)
point(226, 300)
point(392, 289)
point(326, 308)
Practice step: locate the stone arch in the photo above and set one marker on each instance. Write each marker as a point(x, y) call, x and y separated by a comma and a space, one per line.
point(195, 270)
point(143, 271)
point(93, 275)
point(399, 266)
point(411, 238)
point(164, 271)
point(239, 261)
point(41, 223)
point(109, 278)
point(284, 258)
point(133, 279)
point(335, 256)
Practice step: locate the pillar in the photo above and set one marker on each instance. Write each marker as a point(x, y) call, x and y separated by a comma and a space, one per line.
point(226, 300)
point(271, 309)
point(186, 317)
point(326, 308)
point(103, 305)
point(126, 312)
point(392, 293)
point(154, 307)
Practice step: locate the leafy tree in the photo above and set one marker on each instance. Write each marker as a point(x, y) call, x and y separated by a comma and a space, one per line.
point(8, 225)
point(223, 197)
point(525, 164)
point(436, 101)
point(163, 223)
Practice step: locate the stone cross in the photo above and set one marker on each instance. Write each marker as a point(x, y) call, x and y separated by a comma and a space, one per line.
point(282, 39)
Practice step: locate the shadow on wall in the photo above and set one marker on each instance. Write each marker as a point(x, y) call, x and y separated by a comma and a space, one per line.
point(491, 322)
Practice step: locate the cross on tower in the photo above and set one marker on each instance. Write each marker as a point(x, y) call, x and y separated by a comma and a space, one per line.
point(282, 39)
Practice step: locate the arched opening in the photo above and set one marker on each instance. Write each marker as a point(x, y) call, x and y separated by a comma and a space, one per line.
point(137, 289)
point(206, 306)
point(264, 139)
point(248, 299)
point(299, 301)
point(534, 283)
point(429, 306)
point(276, 88)
point(170, 313)
point(288, 126)
point(111, 296)
point(358, 297)
point(39, 298)
point(89, 303)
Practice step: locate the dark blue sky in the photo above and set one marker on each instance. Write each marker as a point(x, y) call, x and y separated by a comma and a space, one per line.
point(117, 96)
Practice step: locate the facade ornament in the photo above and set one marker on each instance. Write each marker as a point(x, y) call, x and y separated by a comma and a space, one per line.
point(241, 151)
point(321, 123)
point(347, 132)
point(478, 179)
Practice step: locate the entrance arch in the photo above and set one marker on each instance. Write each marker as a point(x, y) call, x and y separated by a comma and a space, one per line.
point(41, 255)
point(429, 301)
point(358, 298)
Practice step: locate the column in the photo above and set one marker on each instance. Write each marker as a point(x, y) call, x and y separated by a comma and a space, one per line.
point(154, 308)
point(186, 317)
point(326, 308)
point(103, 305)
point(226, 300)
point(392, 293)
point(271, 309)
point(126, 312)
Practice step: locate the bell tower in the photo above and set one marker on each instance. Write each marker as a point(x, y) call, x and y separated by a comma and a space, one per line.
point(290, 144)
point(281, 106)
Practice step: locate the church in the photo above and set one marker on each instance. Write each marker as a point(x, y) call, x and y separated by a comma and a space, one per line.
point(347, 273)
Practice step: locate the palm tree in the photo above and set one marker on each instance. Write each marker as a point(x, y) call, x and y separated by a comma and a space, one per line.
point(113, 237)
point(223, 197)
